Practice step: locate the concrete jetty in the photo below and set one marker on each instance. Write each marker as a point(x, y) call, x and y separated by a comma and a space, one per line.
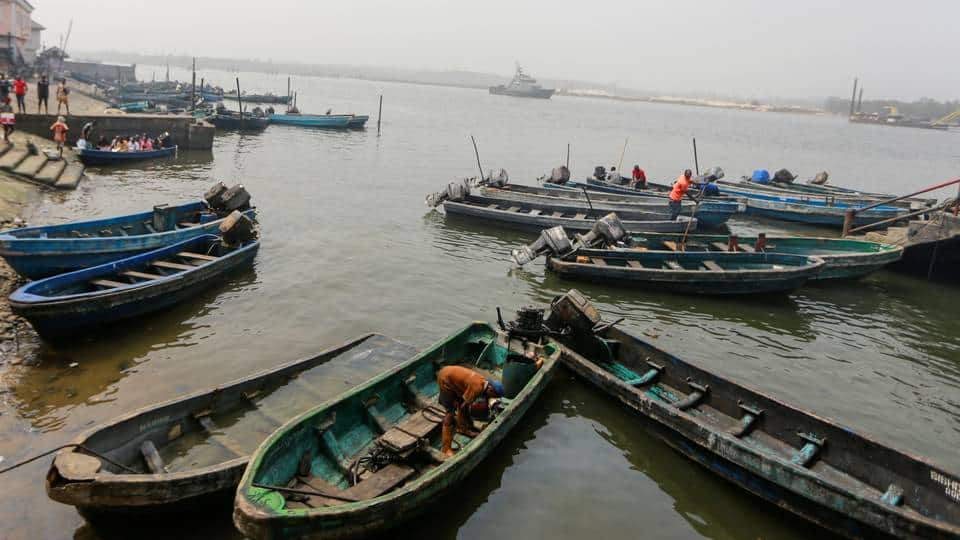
point(185, 131)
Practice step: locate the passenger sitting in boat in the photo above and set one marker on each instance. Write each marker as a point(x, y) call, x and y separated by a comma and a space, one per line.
point(613, 176)
point(164, 140)
point(134, 145)
point(147, 145)
point(639, 178)
point(103, 143)
point(680, 188)
point(82, 143)
point(459, 388)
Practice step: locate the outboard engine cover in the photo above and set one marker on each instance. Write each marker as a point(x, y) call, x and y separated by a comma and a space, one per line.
point(237, 228)
point(560, 175)
point(820, 179)
point(574, 311)
point(710, 175)
point(607, 230)
point(783, 176)
point(500, 180)
point(235, 198)
point(455, 191)
point(214, 195)
point(553, 241)
point(600, 172)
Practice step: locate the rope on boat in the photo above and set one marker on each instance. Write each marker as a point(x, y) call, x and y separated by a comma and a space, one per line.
point(57, 449)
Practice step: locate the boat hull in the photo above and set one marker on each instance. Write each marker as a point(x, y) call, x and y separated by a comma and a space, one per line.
point(832, 216)
point(112, 494)
point(313, 121)
point(58, 317)
point(105, 157)
point(539, 222)
point(251, 124)
point(537, 93)
point(38, 257)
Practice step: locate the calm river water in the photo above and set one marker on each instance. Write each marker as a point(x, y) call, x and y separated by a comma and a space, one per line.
point(349, 247)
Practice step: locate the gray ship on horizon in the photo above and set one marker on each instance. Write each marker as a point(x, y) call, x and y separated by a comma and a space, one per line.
point(522, 85)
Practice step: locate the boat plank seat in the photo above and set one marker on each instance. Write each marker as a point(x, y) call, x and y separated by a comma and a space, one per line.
point(218, 437)
point(712, 265)
point(557, 214)
point(185, 224)
point(380, 482)
point(747, 247)
point(671, 245)
point(598, 261)
point(172, 265)
point(634, 264)
point(513, 209)
point(579, 216)
point(535, 212)
point(198, 256)
point(720, 246)
point(674, 265)
point(152, 457)
point(141, 275)
point(109, 284)
point(492, 205)
point(406, 435)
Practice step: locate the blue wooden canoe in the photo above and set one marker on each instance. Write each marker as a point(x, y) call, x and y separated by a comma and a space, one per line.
point(71, 303)
point(234, 122)
point(716, 273)
point(37, 252)
point(106, 157)
point(313, 120)
point(817, 214)
point(357, 121)
point(368, 460)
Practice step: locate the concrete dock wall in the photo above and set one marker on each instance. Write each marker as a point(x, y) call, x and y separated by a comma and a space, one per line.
point(184, 130)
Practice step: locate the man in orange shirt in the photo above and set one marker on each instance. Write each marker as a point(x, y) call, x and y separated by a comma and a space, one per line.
point(59, 129)
point(680, 188)
point(459, 388)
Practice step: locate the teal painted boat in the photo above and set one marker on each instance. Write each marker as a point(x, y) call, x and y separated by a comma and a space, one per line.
point(313, 120)
point(718, 273)
point(844, 258)
point(369, 459)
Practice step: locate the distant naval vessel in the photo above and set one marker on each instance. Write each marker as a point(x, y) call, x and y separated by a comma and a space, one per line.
point(522, 85)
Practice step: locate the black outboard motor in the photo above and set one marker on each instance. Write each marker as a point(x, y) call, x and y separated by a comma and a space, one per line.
point(574, 312)
point(237, 229)
point(784, 176)
point(523, 335)
point(600, 172)
point(710, 175)
point(552, 241)
point(560, 175)
point(608, 230)
point(455, 191)
point(224, 200)
point(214, 195)
point(500, 180)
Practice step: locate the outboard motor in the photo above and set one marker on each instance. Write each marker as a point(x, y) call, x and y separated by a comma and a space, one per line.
point(710, 175)
point(214, 195)
point(560, 175)
point(455, 191)
point(552, 241)
point(574, 312)
point(608, 230)
point(820, 179)
point(236, 229)
point(500, 180)
point(224, 200)
point(523, 335)
point(600, 172)
point(783, 176)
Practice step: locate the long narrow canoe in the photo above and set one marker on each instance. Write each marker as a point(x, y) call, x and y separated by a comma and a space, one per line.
point(106, 157)
point(233, 122)
point(191, 450)
point(817, 214)
point(368, 460)
point(313, 120)
point(526, 216)
point(808, 465)
point(689, 272)
point(825, 192)
point(708, 214)
point(74, 302)
point(358, 121)
point(37, 252)
point(844, 258)
point(845, 202)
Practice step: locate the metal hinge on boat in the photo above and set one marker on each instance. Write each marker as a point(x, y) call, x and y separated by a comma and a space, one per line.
point(693, 398)
point(751, 415)
point(810, 450)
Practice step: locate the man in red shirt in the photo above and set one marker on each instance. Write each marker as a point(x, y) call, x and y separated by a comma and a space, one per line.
point(459, 388)
point(639, 178)
point(20, 89)
point(680, 188)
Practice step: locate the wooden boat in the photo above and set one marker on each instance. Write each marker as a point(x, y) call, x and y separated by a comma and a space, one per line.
point(192, 450)
point(234, 122)
point(844, 257)
point(931, 247)
point(524, 215)
point(817, 214)
point(313, 120)
point(811, 466)
point(751, 193)
point(74, 302)
point(37, 252)
point(318, 475)
point(106, 157)
point(708, 214)
point(689, 272)
point(826, 192)
point(358, 121)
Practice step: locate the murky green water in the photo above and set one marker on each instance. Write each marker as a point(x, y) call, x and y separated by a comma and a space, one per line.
point(349, 247)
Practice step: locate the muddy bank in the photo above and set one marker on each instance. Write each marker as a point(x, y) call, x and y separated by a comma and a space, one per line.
point(18, 199)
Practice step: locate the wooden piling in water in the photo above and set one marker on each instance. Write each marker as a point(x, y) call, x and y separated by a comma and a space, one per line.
point(240, 103)
point(379, 114)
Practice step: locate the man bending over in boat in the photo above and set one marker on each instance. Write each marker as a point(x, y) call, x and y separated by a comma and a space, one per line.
point(459, 388)
point(680, 188)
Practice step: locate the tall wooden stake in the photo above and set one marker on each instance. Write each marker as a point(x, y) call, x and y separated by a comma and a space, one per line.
point(288, 91)
point(240, 103)
point(696, 161)
point(568, 156)
point(379, 112)
point(622, 152)
point(477, 152)
point(193, 90)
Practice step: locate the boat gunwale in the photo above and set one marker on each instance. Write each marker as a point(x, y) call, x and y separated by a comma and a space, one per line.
point(531, 220)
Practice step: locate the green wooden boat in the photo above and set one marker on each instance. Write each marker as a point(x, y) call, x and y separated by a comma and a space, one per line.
point(844, 258)
point(369, 459)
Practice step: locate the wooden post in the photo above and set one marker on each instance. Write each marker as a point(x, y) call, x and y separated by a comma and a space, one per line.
point(696, 160)
point(379, 113)
point(622, 152)
point(847, 222)
point(853, 98)
point(193, 88)
point(240, 103)
point(288, 90)
point(568, 156)
point(860, 101)
point(477, 152)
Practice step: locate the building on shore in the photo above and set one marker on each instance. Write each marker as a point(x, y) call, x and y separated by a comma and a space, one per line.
point(19, 35)
point(101, 71)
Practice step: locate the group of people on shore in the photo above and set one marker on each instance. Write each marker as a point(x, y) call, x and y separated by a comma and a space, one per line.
point(19, 88)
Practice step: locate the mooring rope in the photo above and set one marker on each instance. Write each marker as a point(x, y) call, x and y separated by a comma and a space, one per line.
point(57, 449)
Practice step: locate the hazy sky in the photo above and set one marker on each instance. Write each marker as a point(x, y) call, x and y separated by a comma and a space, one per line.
point(763, 48)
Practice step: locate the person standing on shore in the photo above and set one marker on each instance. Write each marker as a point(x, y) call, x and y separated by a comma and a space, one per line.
point(7, 118)
point(4, 88)
point(60, 129)
point(43, 95)
point(20, 89)
point(63, 96)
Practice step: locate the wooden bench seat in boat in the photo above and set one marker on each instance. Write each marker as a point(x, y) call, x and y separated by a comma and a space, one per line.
point(674, 265)
point(671, 245)
point(198, 256)
point(172, 265)
point(141, 275)
point(108, 283)
point(634, 264)
point(406, 435)
point(720, 246)
point(218, 437)
point(712, 265)
point(579, 216)
point(598, 261)
point(370, 486)
point(556, 214)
